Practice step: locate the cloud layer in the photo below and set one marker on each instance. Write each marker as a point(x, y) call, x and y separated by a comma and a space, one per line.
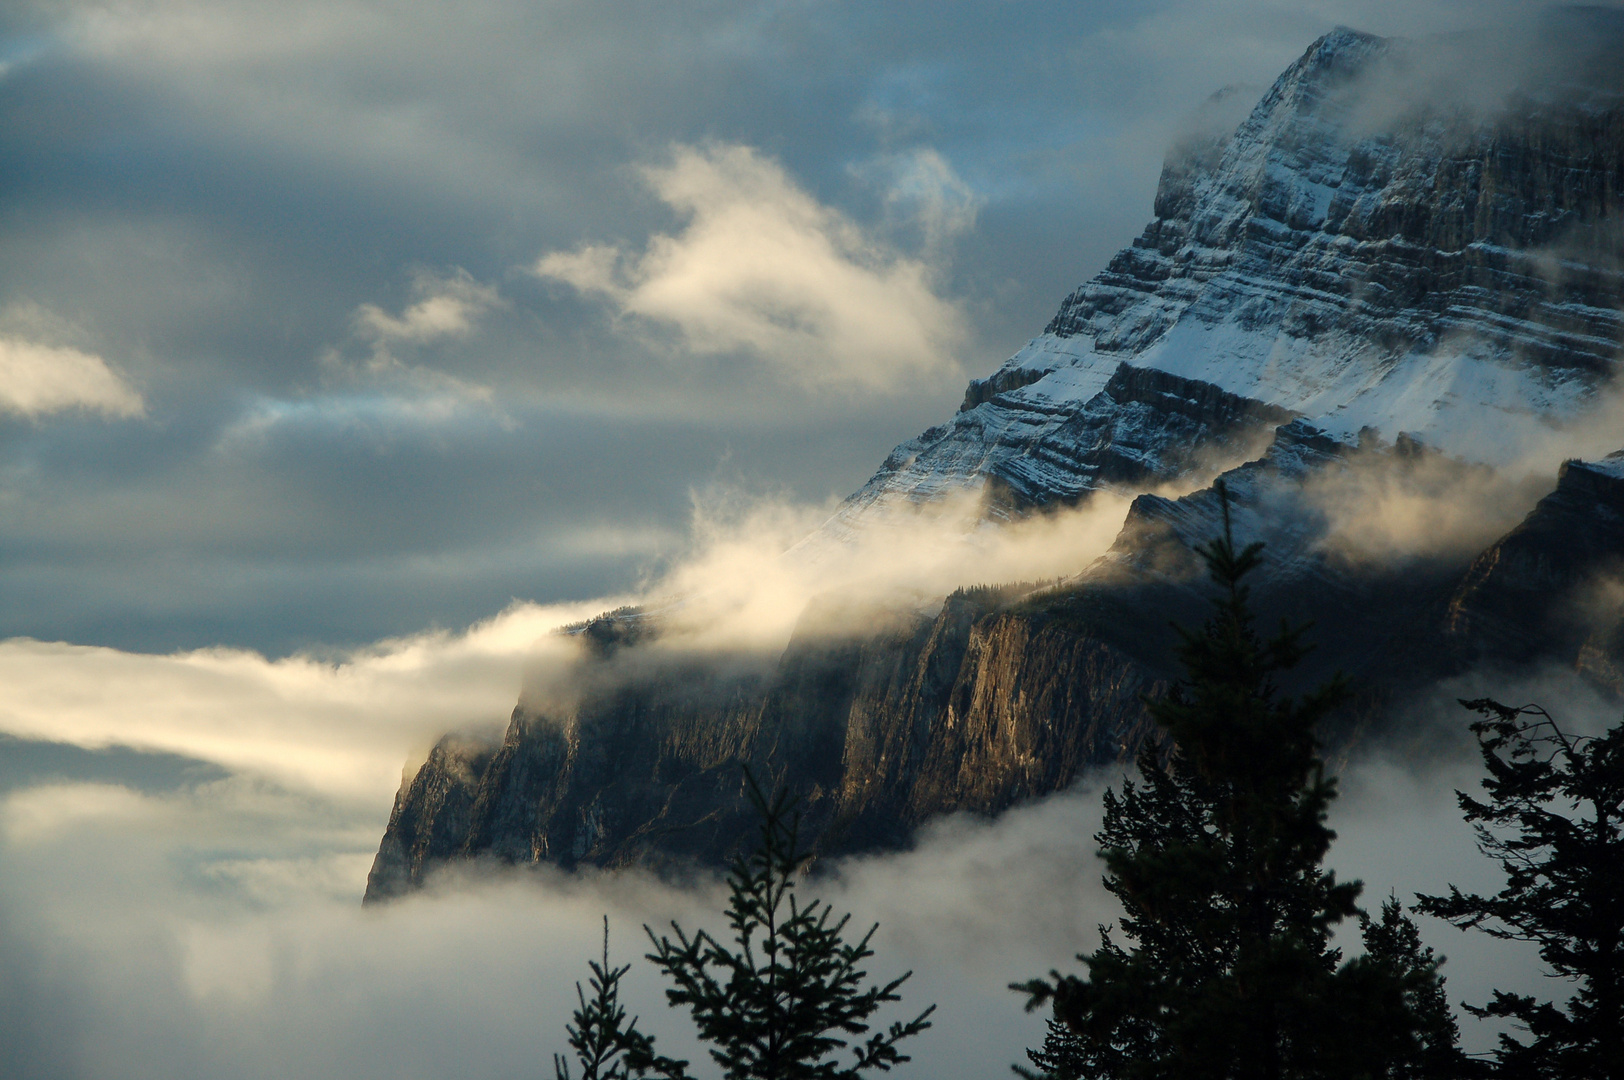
point(213, 932)
point(341, 728)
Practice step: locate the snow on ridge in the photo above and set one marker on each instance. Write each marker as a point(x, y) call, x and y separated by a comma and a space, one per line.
point(1610, 466)
point(1353, 277)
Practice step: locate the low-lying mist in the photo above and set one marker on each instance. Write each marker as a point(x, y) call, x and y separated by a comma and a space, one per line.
point(1385, 507)
point(756, 566)
point(214, 932)
point(209, 925)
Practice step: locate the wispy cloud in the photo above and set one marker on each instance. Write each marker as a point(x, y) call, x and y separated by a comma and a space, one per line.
point(445, 307)
point(763, 269)
point(924, 196)
point(340, 727)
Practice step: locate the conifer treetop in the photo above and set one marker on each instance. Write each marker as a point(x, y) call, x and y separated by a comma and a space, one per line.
point(788, 993)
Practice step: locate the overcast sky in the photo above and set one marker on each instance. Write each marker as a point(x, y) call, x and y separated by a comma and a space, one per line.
point(323, 321)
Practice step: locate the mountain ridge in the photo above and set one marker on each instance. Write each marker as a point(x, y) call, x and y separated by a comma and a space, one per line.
point(1296, 265)
point(1323, 306)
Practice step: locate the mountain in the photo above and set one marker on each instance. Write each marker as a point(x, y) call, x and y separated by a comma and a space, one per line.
point(1368, 308)
point(1345, 255)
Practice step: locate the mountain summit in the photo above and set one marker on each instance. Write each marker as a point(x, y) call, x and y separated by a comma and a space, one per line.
point(1377, 245)
point(1404, 269)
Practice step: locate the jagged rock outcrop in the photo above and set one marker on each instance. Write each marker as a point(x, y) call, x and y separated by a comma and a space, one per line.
point(1539, 590)
point(967, 707)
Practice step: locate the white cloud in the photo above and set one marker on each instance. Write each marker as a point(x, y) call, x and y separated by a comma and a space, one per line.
point(446, 307)
point(339, 728)
point(762, 269)
point(923, 193)
point(39, 379)
point(443, 308)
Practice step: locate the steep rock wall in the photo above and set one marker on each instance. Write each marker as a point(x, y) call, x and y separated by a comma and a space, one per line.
point(973, 708)
point(1003, 694)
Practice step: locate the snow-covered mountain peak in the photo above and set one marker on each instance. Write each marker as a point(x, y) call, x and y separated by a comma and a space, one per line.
point(1356, 253)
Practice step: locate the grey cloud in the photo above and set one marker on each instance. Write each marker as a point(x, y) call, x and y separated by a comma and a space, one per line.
point(26, 762)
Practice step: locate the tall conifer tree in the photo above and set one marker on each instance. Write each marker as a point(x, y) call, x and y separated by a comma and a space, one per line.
point(787, 994)
point(1554, 820)
point(777, 1002)
point(1225, 967)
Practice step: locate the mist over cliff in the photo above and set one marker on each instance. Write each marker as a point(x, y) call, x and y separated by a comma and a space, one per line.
point(1387, 316)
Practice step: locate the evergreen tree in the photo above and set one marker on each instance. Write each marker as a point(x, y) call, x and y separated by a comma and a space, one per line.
point(1061, 1058)
point(606, 1044)
point(1217, 857)
point(1554, 820)
point(790, 993)
point(1392, 1006)
point(776, 1006)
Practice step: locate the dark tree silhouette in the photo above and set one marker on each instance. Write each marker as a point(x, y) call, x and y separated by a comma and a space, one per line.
point(789, 994)
point(1225, 969)
point(1554, 820)
point(1394, 1008)
point(779, 1004)
point(608, 1046)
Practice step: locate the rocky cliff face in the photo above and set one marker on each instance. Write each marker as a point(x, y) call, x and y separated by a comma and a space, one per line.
point(1003, 694)
point(1550, 585)
point(974, 706)
point(1344, 286)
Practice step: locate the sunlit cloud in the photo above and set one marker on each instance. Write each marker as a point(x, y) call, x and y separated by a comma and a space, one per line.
point(341, 727)
point(754, 566)
point(36, 380)
point(763, 269)
point(384, 389)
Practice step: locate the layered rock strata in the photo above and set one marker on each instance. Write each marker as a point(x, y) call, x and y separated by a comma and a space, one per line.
point(1452, 268)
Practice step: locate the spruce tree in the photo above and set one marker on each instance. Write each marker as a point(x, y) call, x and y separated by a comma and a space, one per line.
point(1224, 968)
point(1554, 820)
point(608, 1046)
point(789, 993)
point(1391, 1006)
point(777, 1005)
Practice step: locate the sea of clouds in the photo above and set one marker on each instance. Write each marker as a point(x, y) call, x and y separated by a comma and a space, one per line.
point(204, 919)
